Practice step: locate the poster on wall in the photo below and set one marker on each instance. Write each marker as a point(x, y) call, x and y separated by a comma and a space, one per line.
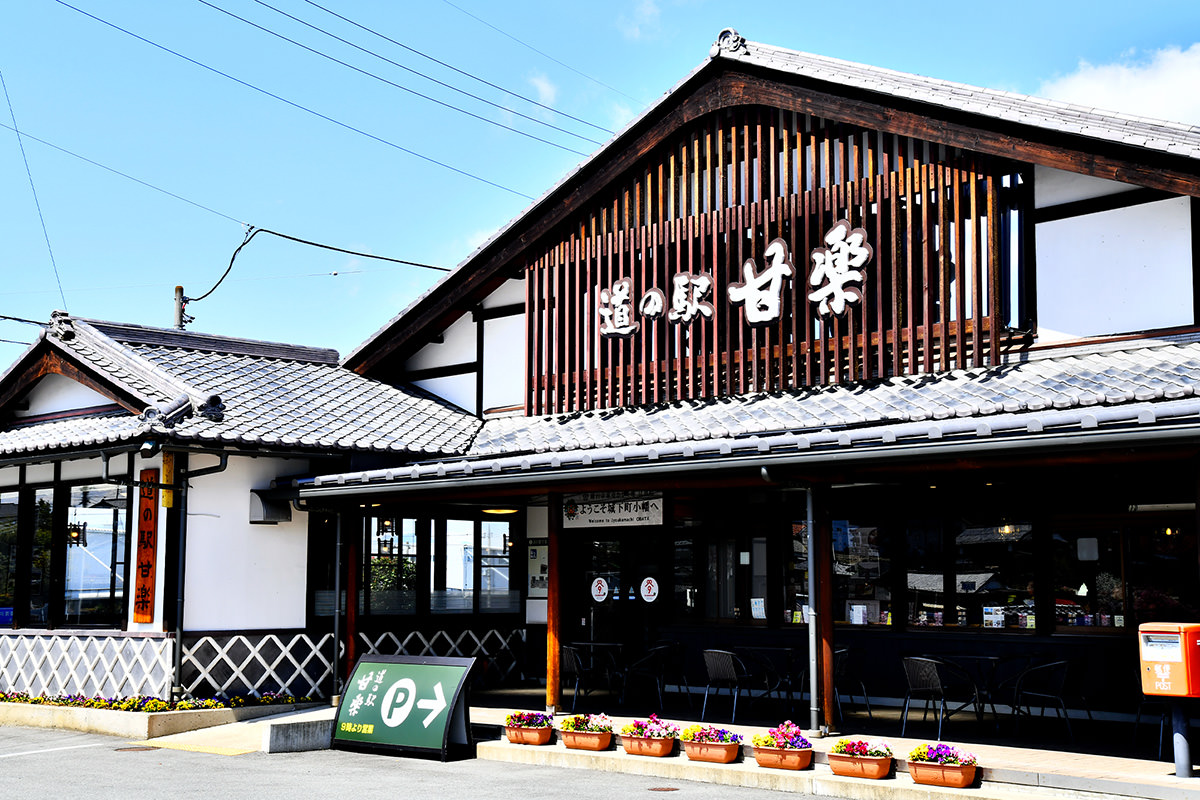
point(539, 567)
point(612, 509)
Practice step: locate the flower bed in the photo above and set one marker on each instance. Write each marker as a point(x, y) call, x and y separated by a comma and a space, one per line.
point(650, 737)
point(860, 758)
point(139, 717)
point(941, 765)
point(586, 732)
point(782, 748)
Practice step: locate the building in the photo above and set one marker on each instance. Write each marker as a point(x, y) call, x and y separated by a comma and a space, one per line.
point(814, 356)
point(133, 516)
point(948, 333)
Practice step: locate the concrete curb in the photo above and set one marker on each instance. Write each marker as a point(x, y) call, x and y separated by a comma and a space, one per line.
point(133, 724)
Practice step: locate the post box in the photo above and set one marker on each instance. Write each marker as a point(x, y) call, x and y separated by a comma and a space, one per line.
point(1170, 656)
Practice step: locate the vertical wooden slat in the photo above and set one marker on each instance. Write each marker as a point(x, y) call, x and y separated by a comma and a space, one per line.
point(532, 334)
point(927, 289)
point(960, 316)
point(799, 290)
point(896, 269)
point(852, 310)
point(993, 266)
point(910, 280)
point(976, 272)
point(943, 268)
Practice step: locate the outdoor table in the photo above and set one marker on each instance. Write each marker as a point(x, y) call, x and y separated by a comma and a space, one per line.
point(779, 665)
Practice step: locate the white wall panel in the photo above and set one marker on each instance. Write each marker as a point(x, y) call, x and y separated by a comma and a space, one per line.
point(1117, 271)
point(510, 293)
point(456, 389)
point(55, 393)
point(1053, 187)
point(243, 576)
point(457, 347)
point(504, 362)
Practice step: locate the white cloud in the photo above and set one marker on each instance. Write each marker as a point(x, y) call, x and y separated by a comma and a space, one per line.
point(1160, 84)
point(547, 92)
point(641, 22)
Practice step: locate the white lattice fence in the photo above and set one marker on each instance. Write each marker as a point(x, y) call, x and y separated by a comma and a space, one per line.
point(255, 663)
point(112, 666)
point(498, 651)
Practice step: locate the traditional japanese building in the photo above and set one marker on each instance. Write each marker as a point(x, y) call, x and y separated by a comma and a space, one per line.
point(931, 345)
point(812, 355)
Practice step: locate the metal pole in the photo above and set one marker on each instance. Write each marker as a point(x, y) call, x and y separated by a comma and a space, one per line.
point(1179, 735)
point(814, 711)
point(337, 606)
point(179, 307)
point(177, 689)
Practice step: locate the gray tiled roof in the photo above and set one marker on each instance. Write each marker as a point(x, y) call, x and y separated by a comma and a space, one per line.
point(1081, 381)
point(273, 396)
point(1095, 123)
point(1133, 387)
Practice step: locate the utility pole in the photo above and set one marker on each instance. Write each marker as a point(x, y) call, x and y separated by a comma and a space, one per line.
point(179, 301)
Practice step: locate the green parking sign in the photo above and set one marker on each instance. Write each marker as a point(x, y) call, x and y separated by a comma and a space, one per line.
point(404, 703)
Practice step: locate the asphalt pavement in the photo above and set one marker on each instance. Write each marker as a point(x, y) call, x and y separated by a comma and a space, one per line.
point(37, 762)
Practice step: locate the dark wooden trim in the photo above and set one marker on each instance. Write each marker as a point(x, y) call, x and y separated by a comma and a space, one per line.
point(49, 361)
point(481, 361)
point(20, 422)
point(511, 310)
point(430, 373)
point(1095, 205)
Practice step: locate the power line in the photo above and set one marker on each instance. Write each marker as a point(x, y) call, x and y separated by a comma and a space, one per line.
point(32, 188)
point(211, 211)
point(298, 106)
point(540, 53)
point(22, 319)
point(14, 341)
point(393, 84)
point(443, 84)
point(453, 68)
point(252, 232)
point(86, 160)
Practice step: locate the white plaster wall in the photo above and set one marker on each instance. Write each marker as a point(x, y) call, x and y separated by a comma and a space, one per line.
point(39, 473)
point(1117, 271)
point(10, 476)
point(1054, 186)
point(91, 468)
point(55, 393)
point(504, 362)
point(511, 292)
point(457, 389)
point(457, 347)
point(243, 576)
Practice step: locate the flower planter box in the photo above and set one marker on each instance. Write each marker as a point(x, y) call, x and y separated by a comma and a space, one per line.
point(642, 746)
point(783, 757)
point(528, 735)
point(585, 740)
point(713, 752)
point(873, 767)
point(956, 776)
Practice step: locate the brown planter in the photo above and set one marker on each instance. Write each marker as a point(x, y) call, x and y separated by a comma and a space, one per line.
point(715, 752)
point(873, 767)
point(783, 757)
point(585, 740)
point(956, 776)
point(642, 746)
point(528, 735)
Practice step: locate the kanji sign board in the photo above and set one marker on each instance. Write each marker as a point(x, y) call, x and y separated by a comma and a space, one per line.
point(398, 704)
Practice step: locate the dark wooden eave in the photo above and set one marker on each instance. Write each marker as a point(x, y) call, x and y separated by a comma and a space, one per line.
point(724, 84)
point(44, 360)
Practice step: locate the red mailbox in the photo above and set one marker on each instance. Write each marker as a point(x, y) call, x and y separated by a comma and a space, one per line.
point(1170, 654)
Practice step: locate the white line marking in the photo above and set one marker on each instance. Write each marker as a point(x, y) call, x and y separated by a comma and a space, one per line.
point(51, 750)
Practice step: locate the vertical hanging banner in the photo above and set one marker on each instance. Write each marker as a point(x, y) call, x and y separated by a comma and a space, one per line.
point(147, 546)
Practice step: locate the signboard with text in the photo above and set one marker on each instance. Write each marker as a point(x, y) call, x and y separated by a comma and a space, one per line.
point(147, 547)
point(612, 509)
point(398, 704)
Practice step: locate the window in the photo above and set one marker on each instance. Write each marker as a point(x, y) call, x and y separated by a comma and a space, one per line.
point(8, 556)
point(39, 574)
point(861, 574)
point(94, 581)
point(390, 582)
point(993, 569)
point(495, 588)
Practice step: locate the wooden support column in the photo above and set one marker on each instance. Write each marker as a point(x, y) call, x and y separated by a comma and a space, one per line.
point(354, 531)
point(553, 530)
point(824, 545)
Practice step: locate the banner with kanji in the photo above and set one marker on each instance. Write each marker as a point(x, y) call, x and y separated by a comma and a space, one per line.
point(147, 546)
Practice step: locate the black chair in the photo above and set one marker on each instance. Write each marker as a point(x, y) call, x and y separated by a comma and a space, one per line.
point(724, 668)
point(572, 666)
point(650, 667)
point(1151, 707)
point(936, 681)
point(1042, 686)
point(843, 675)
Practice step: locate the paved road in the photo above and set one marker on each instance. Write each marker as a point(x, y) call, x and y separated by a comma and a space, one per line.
point(38, 763)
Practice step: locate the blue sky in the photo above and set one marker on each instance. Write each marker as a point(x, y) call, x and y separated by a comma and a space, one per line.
point(232, 154)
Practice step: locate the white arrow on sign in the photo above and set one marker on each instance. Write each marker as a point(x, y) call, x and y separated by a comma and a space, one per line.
point(434, 706)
